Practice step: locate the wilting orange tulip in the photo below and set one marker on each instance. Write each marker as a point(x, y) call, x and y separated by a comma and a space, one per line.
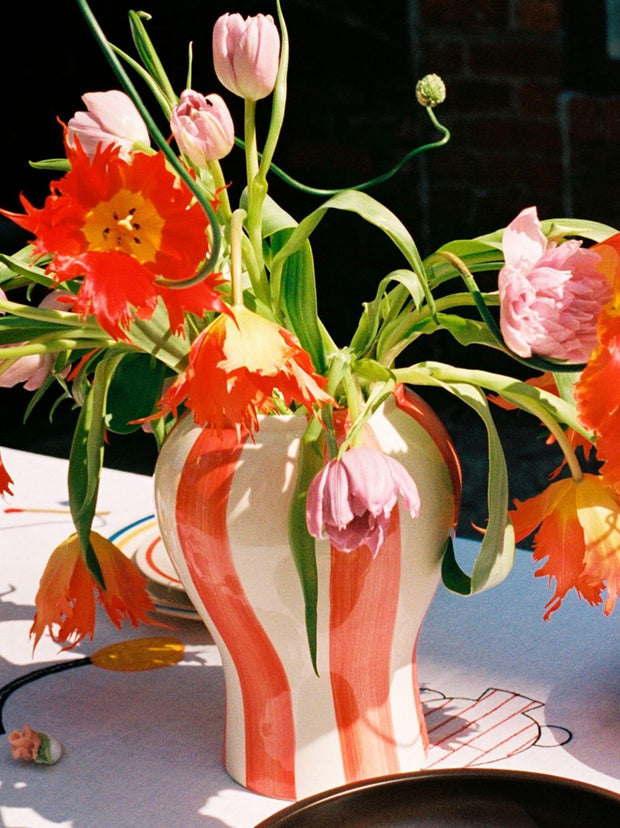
point(579, 535)
point(236, 365)
point(65, 600)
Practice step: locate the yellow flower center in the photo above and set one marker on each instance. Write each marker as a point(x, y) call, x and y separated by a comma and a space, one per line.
point(128, 223)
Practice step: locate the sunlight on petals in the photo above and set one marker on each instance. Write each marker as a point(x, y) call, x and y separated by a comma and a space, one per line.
point(579, 536)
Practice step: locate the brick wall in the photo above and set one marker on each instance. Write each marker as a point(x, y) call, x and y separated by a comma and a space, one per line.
point(521, 134)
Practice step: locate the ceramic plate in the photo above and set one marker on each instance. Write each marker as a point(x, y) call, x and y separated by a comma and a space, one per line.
point(142, 542)
point(455, 799)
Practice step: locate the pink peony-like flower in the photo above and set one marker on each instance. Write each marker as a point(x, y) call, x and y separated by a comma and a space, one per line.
point(550, 295)
point(112, 118)
point(202, 127)
point(352, 497)
point(246, 53)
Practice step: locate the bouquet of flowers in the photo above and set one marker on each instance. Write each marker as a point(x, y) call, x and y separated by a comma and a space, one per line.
point(146, 294)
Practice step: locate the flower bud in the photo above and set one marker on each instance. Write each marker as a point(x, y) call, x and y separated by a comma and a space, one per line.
point(246, 54)
point(430, 90)
point(112, 118)
point(203, 127)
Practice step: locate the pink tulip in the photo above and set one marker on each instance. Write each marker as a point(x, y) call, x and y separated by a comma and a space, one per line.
point(112, 118)
point(33, 369)
point(352, 497)
point(202, 127)
point(550, 295)
point(246, 54)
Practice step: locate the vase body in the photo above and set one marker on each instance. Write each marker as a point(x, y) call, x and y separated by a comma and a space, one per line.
point(222, 508)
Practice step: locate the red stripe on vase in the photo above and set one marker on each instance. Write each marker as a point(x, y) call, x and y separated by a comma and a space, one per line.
point(423, 414)
point(363, 605)
point(202, 499)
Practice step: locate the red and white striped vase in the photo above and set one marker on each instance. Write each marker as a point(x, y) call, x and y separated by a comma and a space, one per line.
point(222, 507)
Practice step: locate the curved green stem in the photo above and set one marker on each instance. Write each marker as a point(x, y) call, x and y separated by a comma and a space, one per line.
point(365, 185)
point(163, 145)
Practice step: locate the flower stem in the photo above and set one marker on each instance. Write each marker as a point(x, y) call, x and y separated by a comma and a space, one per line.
point(236, 258)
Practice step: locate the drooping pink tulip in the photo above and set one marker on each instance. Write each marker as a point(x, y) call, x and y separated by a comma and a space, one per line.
point(550, 295)
point(246, 53)
point(351, 499)
point(112, 118)
point(202, 127)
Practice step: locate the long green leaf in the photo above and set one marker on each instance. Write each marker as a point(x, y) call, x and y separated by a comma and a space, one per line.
point(86, 459)
point(301, 542)
point(371, 211)
point(496, 555)
point(133, 392)
point(299, 301)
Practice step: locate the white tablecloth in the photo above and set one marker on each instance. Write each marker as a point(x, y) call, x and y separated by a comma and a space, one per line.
point(144, 748)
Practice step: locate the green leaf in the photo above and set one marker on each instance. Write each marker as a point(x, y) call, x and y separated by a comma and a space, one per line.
point(301, 542)
point(86, 459)
point(371, 211)
point(386, 306)
point(134, 391)
point(299, 302)
point(496, 555)
point(562, 228)
point(468, 331)
point(30, 272)
point(53, 164)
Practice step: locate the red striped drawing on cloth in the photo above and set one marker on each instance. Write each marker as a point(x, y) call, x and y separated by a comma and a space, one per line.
point(497, 725)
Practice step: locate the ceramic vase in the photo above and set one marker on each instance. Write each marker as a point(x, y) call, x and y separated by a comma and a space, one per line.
point(222, 506)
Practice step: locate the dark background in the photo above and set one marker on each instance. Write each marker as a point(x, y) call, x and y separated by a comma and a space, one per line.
point(535, 119)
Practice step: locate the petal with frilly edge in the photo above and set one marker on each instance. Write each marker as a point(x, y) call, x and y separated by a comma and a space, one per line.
point(579, 536)
point(65, 601)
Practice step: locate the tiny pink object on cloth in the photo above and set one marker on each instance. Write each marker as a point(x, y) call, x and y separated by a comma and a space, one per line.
point(246, 54)
point(550, 295)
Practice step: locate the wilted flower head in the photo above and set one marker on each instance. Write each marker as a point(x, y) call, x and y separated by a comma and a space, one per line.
point(112, 118)
point(550, 296)
point(30, 746)
point(351, 499)
point(579, 535)
point(202, 127)
point(246, 53)
point(65, 601)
